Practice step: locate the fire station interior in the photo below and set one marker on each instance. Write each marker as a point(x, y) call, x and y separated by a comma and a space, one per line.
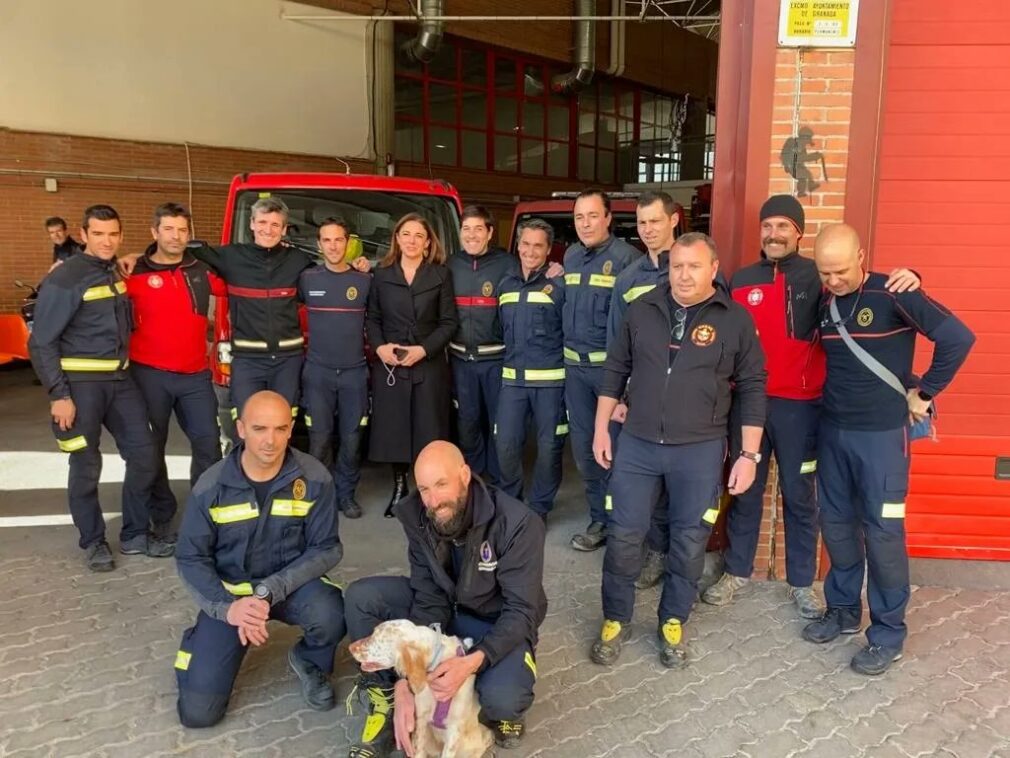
point(370, 109)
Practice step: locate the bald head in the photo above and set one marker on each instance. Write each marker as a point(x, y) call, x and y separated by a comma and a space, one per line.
point(839, 258)
point(265, 427)
point(443, 481)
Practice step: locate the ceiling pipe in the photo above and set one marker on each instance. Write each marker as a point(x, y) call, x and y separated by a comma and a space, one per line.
point(584, 54)
point(423, 47)
point(618, 29)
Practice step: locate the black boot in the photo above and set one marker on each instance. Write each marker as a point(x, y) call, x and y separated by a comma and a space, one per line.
point(400, 490)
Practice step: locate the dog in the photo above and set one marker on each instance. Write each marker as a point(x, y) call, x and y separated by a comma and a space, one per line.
point(447, 730)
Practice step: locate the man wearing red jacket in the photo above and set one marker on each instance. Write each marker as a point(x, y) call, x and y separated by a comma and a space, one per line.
point(170, 291)
point(783, 294)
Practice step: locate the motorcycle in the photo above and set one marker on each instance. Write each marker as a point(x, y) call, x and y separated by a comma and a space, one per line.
point(28, 303)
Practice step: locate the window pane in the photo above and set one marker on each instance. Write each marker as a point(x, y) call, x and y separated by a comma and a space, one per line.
point(605, 166)
point(474, 109)
point(533, 81)
point(606, 132)
point(557, 159)
point(504, 75)
point(606, 97)
point(533, 157)
point(442, 103)
point(409, 142)
point(443, 65)
point(533, 119)
point(474, 65)
point(648, 108)
point(506, 116)
point(443, 146)
point(409, 95)
point(505, 153)
point(625, 132)
point(587, 128)
point(587, 161)
point(557, 126)
point(664, 108)
point(474, 149)
point(628, 104)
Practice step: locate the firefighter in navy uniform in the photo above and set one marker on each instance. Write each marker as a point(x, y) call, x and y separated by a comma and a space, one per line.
point(80, 352)
point(683, 351)
point(335, 377)
point(783, 294)
point(863, 454)
point(171, 294)
point(257, 538)
point(591, 268)
point(657, 218)
point(476, 348)
point(476, 560)
point(533, 375)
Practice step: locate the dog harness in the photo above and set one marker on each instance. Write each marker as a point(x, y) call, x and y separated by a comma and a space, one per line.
point(442, 706)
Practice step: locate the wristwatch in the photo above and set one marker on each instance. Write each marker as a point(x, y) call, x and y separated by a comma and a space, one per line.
point(924, 395)
point(756, 457)
point(262, 592)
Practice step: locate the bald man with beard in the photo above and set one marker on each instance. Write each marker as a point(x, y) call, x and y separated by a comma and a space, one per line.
point(258, 536)
point(476, 568)
point(870, 398)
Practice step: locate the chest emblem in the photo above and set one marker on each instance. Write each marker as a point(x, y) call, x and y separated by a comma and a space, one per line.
point(703, 335)
point(298, 489)
point(155, 282)
point(548, 289)
point(864, 317)
point(487, 560)
point(755, 296)
point(608, 266)
point(352, 293)
point(487, 289)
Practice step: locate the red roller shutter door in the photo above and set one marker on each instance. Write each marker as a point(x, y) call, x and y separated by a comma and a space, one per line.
point(943, 207)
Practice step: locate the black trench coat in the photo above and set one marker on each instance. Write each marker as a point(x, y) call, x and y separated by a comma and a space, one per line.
point(415, 410)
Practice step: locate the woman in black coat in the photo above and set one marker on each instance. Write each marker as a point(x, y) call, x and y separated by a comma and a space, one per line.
point(411, 317)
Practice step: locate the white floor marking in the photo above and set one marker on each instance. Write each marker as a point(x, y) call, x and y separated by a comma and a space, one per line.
point(48, 471)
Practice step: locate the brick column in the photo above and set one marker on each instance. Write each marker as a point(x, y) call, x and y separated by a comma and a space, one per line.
point(812, 109)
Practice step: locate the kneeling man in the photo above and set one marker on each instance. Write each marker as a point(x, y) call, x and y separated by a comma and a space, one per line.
point(257, 538)
point(476, 568)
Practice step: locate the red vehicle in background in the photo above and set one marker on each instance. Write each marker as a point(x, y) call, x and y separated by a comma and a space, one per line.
point(370, 204)
point(558, 213)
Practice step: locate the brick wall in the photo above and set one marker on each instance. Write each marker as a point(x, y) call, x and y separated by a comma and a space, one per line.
point(133, 177)
point(813, 90)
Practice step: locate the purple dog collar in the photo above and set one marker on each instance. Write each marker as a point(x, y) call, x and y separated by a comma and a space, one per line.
point(442, 706)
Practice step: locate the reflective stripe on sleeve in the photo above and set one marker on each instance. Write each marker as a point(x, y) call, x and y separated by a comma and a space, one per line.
point(636, 292)
point(73, 444)
point(507, 298)
point(242, 589)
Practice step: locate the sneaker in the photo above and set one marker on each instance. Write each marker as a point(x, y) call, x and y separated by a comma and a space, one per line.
point(350, 508)
point(377, 738)
point(671, 654)
point(316, 687)
point(592, 539)
point(99, 557)
point(808, 605)
point(834, 622)
point(164, 532)
point(721, 593)
point(874, 660)
point(149, 545)
point(652, 570)
point(607, 648)
point(508, 734)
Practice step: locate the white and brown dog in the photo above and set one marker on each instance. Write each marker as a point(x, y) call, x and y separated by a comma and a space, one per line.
point(447, 729)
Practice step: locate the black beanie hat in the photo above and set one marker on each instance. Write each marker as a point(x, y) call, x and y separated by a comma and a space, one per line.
point(786, 206)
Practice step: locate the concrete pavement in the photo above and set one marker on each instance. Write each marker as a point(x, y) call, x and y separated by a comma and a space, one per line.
point(86, 659)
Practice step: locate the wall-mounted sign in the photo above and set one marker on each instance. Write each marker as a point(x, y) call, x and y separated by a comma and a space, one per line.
point(818, 23)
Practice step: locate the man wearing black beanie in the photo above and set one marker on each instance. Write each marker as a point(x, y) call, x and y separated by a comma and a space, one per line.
point(783, 293)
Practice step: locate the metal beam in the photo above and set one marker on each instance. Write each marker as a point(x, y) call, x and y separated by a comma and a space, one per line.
point(356, 17)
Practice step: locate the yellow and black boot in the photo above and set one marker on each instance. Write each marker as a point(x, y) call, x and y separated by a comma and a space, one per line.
point(671, 652)
point(607, 648)
point(377, 738)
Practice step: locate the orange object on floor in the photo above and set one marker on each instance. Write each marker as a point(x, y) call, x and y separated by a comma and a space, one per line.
point(13, 338)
